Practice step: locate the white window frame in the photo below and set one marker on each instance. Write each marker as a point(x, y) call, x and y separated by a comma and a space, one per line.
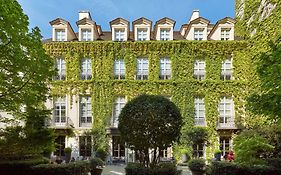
point(226, 114)
point(61, 69)
point(142, 69)
point(86, 69)
point(198, 34)
point(59, 110)
point(197, 150)
point(119, 34)
point(85, 111)
point(142, 34)
point(199, 69)
point(119, 69)
point(60, 34)
point(225, 34)
point(199, 117)
point(224, 145)
point(118, 105)
point(165, 34)
point(226, 70)
point(86, 35)
point(165, 68)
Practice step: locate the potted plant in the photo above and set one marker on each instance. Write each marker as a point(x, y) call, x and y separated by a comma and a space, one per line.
point(217, 155)
point(197, 166)
point(96, 165)
point(67, 152)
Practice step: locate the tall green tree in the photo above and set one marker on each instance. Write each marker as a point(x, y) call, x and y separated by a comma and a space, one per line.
point(25, 68)
point(150, 123)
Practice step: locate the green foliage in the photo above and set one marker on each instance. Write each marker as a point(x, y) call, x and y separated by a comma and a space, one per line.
point(197, 165)
point(196, 135)
point(73, 168)
point(182, 88)
point(150, 122)
point(67, 150)
point(25, 67)
point(250, 147)
point(162, 168)
point(96, 162)
point(33, 139)
point(101, 153)
point(230, 168)
point(99, 140)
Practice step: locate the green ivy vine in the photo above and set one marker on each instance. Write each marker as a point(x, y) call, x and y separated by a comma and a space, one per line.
point(182, 87)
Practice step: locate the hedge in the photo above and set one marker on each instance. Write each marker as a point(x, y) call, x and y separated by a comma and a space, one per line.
point(229, 168)
point(161, 169)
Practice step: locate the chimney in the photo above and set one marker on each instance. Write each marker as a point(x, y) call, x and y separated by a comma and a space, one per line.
point(195, 14)
point(84, 14)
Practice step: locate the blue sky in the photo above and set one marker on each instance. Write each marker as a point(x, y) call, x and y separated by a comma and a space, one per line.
point(41, 12)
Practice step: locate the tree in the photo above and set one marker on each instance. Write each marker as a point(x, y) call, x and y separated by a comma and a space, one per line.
point(25, 68)
point(268, 101)
point(150, 122)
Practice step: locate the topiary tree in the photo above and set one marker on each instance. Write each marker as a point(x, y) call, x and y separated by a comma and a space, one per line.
point(150, 123)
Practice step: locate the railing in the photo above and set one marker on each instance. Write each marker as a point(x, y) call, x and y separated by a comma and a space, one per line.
point(53, 124)
point(199, 122)
point(227, 124)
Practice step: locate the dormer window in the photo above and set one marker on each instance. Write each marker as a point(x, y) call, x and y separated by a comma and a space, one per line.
point(225, 34)
point(198, 34)
point(60, 35)
point(119, 34)
point(142, 34)
point(86, 34)
point(164, 34)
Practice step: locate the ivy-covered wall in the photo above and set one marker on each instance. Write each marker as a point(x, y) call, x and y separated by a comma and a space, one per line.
point(182, 87)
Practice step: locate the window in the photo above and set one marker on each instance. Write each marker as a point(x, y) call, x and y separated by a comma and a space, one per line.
point(60, 35)
point(199, 69)
point(226, 110)
point(119, 34)
point(142, 69)
point(226, 70)
point(119, 69)
point(165, 68)
point(118, 147)
point(142, 34)
point(86, 35)
point(85, 111)
point(164, 34)
point(85, 146)
point(198, 150)
point(61, 68)
point(199, 112)
point(60, 110)
point(164, 153)
point(86, 69)
point(198, 34)
point(225, 34)
point(225, 143)
point(118, 105)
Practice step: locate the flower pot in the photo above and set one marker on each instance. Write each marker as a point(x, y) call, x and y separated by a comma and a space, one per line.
point(96, 171)
point(197, 172)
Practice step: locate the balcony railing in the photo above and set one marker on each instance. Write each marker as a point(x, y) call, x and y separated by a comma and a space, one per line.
point(228, 123)
point(59, 125)
point(199, 122)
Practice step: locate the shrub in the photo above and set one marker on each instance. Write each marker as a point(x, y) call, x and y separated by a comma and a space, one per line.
point(19, 166)
point(95, 162)
point(74, 168)
point(67, 150)
point(160, 169)
point(101, 153)
point(197, 165)
point(228, 168)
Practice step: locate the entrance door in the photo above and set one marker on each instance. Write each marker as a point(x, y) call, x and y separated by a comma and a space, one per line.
point(60, 145)
point(225, 143)
point(118, 148)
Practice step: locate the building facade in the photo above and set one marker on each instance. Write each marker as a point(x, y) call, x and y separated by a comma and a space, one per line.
point(198, 67)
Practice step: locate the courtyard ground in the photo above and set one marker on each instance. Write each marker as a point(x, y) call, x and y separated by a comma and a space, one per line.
point(119, 170)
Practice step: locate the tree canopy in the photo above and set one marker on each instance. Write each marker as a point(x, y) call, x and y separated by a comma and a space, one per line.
point(150, 122)
point(25, 68)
